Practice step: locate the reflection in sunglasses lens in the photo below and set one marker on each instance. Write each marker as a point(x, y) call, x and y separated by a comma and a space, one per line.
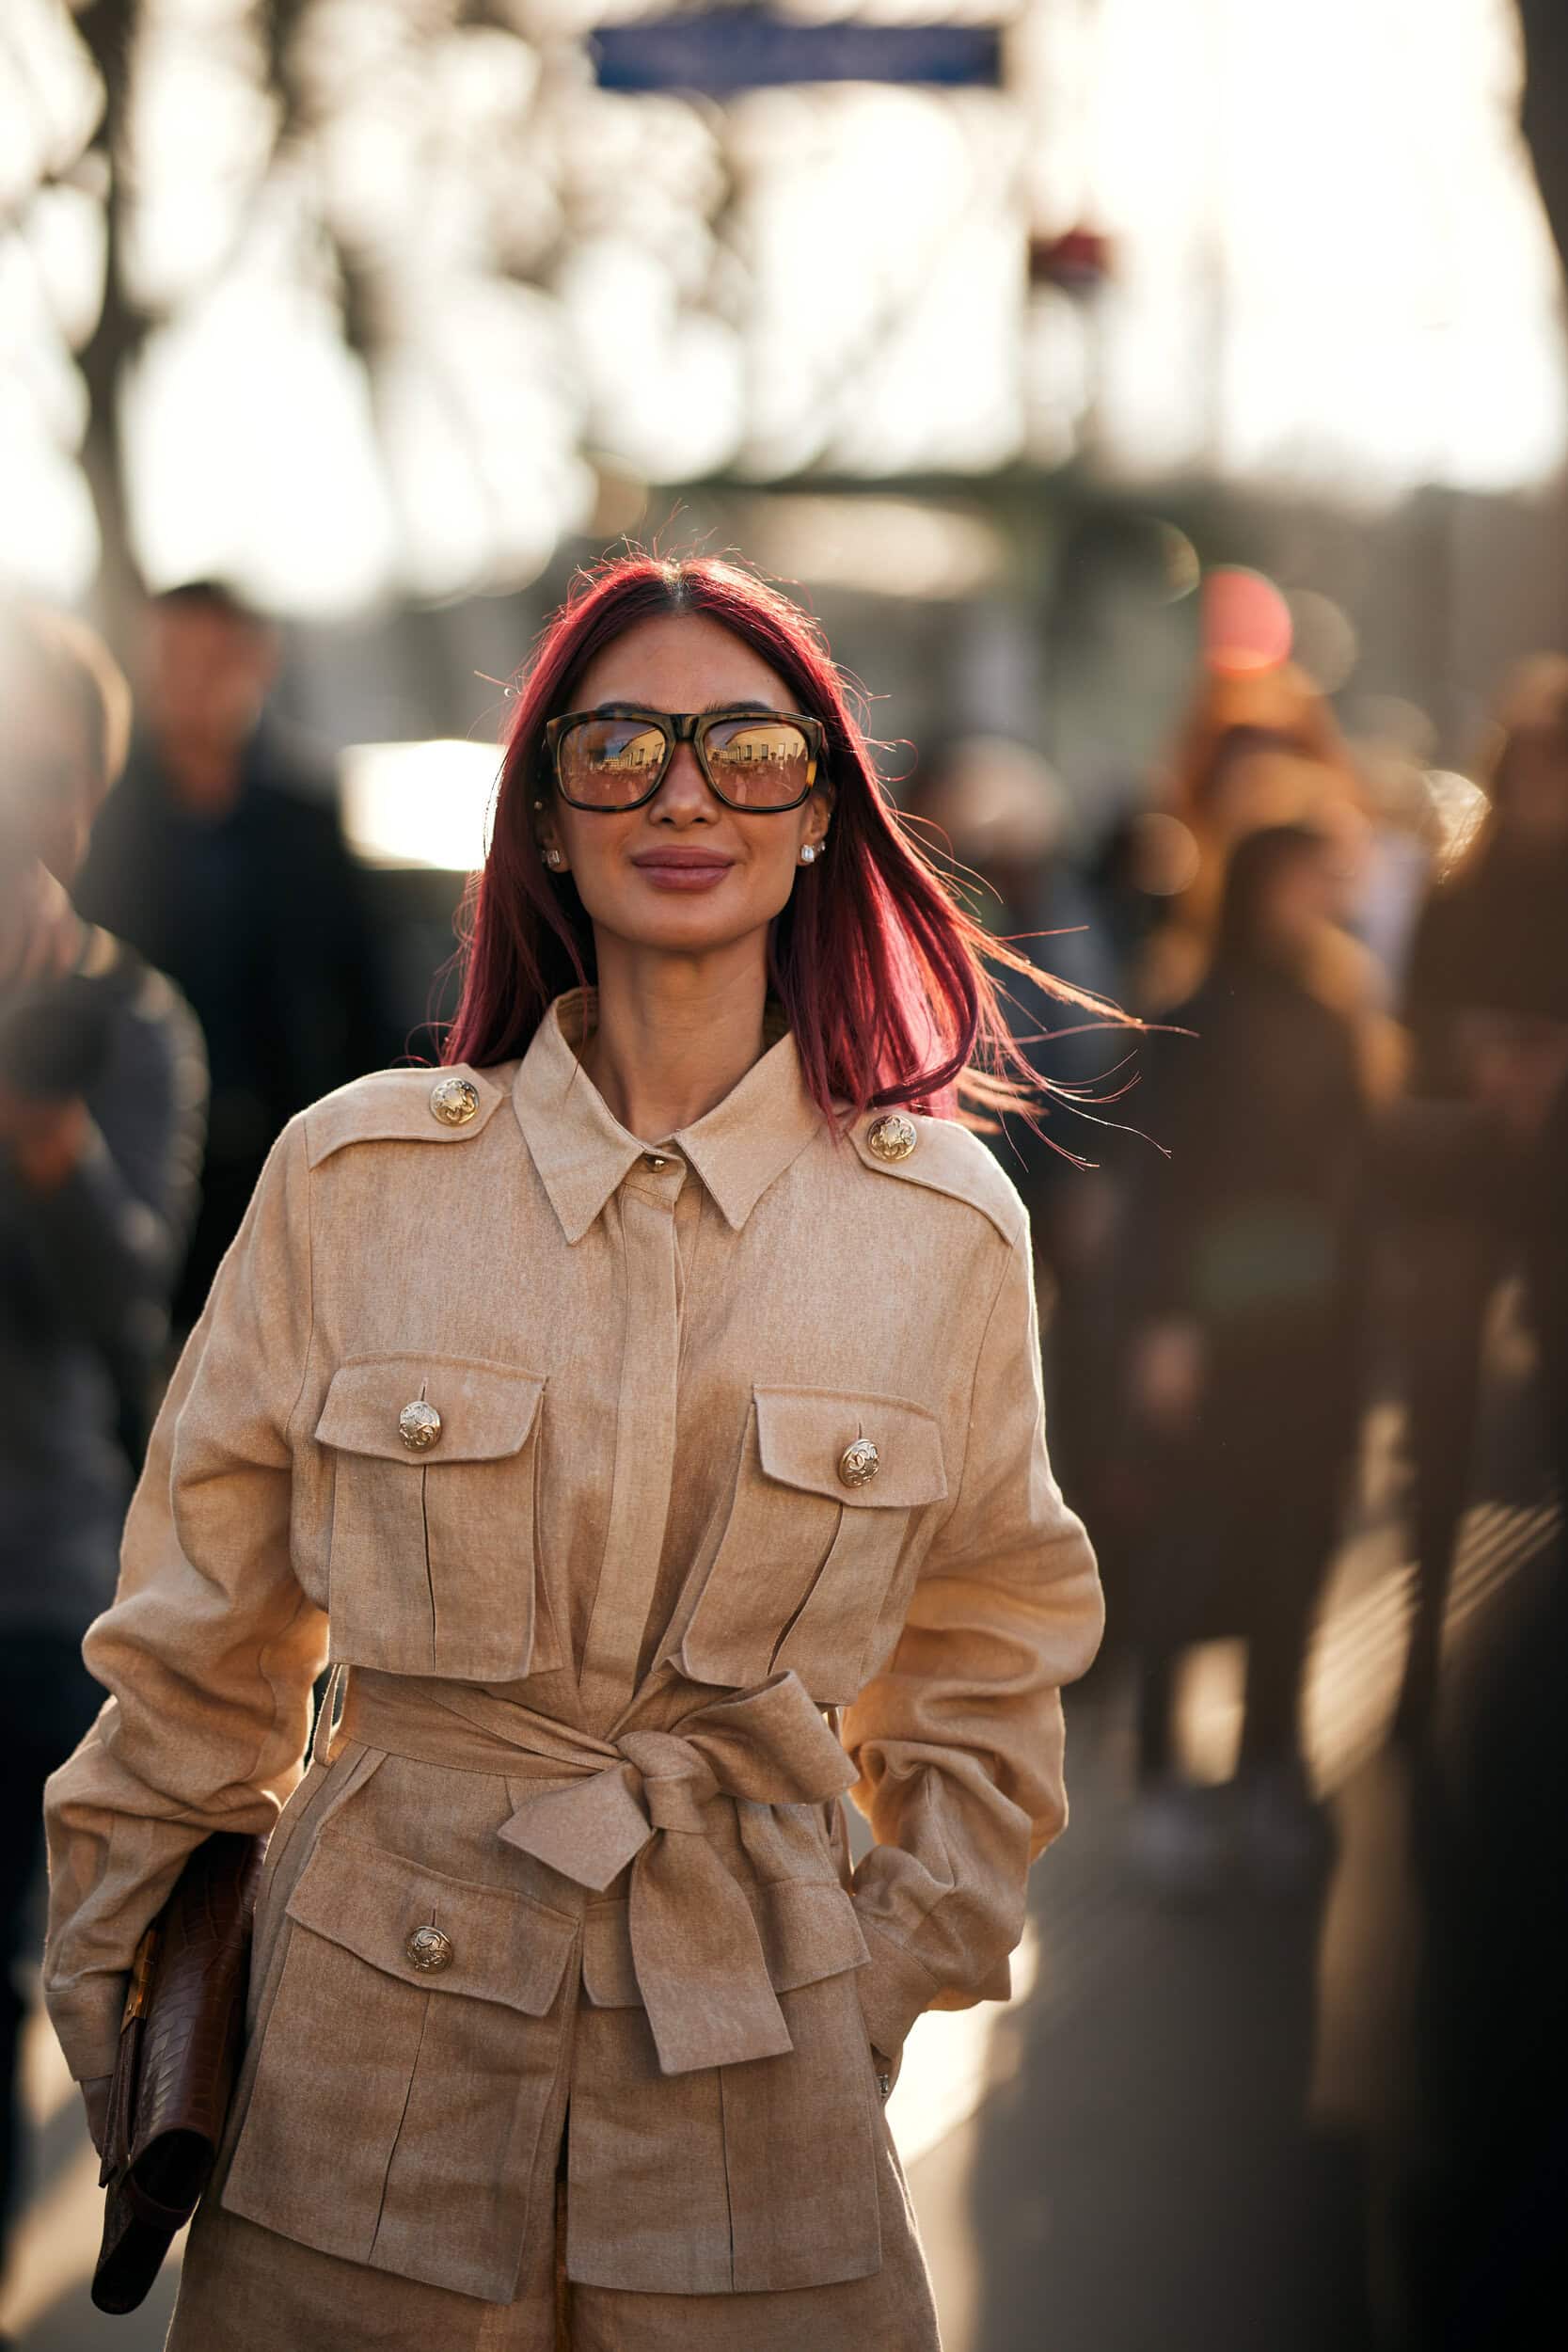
point(609, 759)
point(759, 762)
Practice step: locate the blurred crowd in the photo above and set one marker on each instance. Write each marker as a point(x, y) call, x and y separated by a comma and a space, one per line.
point(1352, 1102)
point(1350, 1115)
point(1345, 1125)
point(185, 959)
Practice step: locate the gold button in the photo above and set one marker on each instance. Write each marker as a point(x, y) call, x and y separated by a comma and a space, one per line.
point(454, 1100)
point(859, 1463)
point(654, 1159)
point(892, 1137)
point(419, 1425)
point(429, 1949)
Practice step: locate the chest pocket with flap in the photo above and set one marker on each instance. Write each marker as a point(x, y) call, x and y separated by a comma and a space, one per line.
point(433, 1567)
point(806, 1558)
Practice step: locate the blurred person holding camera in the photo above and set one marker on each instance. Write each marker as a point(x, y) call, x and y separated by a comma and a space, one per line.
point(102, 1091)
point(221, 859)
point(1244, 1278)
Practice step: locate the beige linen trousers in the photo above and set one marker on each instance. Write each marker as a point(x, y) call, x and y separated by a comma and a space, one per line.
point(647, 1501)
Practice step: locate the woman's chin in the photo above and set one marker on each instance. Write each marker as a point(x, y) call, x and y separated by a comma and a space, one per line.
point(685, 923)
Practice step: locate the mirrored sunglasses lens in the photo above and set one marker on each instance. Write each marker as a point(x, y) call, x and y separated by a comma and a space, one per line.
point(761, 763)
point(607, 762)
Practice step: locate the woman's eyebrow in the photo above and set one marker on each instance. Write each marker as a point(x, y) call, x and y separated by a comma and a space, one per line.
point(624, 702)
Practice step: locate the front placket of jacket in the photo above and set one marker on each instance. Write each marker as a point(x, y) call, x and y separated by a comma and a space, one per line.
point(645, 1440)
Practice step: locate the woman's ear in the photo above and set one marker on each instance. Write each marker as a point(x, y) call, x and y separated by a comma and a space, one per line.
point(819, 810)
point(544, 834)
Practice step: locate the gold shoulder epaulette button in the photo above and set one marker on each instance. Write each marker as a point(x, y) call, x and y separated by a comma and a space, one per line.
point(892, 1137)
point(454, 1100)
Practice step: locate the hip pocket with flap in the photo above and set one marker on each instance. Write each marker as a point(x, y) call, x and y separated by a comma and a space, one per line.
point(433, 1567)
point(813, 1536)
point(404, 2072)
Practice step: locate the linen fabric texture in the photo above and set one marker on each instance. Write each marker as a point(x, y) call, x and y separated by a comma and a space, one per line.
point(609, 1651)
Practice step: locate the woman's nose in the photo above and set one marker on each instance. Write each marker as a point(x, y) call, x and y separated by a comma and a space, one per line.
point(683, 792)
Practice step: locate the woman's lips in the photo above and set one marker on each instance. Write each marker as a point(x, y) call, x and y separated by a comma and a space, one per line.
point(673, 872)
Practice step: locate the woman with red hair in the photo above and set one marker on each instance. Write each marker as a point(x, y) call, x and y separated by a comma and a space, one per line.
point(645, 1419)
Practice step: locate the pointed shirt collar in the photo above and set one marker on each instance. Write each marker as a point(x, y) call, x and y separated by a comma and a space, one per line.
point(583, 1153)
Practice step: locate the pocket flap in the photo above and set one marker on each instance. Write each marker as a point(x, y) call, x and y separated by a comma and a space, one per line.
point(486, 1410)
point(803, 1433)
point(807, 1926)
point(500, 1944)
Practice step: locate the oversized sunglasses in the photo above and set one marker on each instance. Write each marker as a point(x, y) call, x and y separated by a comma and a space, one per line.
point(617, 757)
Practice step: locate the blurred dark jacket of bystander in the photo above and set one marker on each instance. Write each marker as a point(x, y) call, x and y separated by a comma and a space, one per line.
point(1492, 940)
point(1484, 1144)
point(101, 1090)
point(86, 1271)
point(257, 912)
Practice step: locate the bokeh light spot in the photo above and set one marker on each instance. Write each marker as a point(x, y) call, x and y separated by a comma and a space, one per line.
point(1246, 622)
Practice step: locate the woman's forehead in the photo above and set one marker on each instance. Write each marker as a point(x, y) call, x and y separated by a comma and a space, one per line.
point(679, 661)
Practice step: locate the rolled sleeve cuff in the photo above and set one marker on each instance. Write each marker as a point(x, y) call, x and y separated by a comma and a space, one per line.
point(894, 1990)
point(87, 2021)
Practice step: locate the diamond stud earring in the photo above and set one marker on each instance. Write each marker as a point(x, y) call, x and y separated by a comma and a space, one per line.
point(552, 857)
point(808, 852)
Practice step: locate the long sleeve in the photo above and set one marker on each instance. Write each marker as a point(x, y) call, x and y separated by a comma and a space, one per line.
point(958, 1741)
point(210, 1646)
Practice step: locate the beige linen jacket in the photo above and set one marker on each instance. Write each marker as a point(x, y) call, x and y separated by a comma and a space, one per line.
point(726, 1489)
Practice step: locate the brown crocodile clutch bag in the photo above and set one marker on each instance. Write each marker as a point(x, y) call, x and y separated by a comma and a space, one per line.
point(179, 2041)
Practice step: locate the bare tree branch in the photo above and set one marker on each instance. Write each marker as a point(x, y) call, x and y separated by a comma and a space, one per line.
point(1544, 25)
point(108, 28)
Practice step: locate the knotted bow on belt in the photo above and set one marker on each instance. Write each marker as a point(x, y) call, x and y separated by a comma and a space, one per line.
point(647, 1798)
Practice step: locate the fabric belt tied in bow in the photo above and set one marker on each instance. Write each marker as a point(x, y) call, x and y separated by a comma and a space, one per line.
point(647, 1798)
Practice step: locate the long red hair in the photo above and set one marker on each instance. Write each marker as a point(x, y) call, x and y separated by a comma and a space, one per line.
point(881, 973)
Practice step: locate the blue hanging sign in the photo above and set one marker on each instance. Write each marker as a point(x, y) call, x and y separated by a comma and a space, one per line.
point(720, 52)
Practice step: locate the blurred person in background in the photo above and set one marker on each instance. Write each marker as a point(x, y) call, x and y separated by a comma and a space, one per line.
point(1258, 750)
point(1484, 1155)
point(101, 1086)
point(1256, 747)
point(1242, 1262)
point(1482, 1144)
point(1491, 940)
point(1000, 811)
point(221, 858)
